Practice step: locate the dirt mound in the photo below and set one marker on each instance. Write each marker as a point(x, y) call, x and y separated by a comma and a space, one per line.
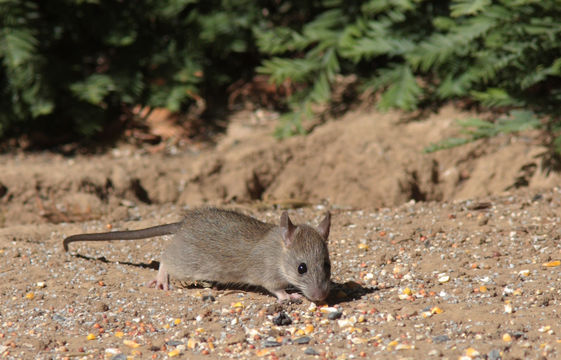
point(364, 160)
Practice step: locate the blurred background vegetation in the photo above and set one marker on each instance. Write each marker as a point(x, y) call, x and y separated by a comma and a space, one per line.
point(75, 68)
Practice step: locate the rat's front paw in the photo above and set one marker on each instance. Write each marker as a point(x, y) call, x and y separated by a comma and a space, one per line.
point(295, 296)
point(283, 296)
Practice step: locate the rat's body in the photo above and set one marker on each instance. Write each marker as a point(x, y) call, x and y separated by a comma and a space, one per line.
point(229, 247)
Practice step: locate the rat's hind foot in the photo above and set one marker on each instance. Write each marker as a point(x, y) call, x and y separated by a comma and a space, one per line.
point(162, 279)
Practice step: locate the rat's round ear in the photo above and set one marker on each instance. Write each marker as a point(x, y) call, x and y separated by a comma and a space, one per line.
point(323, 227)
point(287, 229)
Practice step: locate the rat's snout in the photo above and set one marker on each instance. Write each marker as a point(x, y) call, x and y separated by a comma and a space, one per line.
point(319, 294)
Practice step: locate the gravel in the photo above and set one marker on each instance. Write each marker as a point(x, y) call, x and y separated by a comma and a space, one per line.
point(423, 280)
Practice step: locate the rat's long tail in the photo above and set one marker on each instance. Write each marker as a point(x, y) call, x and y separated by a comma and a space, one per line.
point(159, 230)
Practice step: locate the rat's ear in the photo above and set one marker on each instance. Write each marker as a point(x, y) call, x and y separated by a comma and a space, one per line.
point(324, 226)
point(287, 229)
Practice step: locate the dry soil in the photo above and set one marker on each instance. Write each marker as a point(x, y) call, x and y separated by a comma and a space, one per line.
point(433, 256)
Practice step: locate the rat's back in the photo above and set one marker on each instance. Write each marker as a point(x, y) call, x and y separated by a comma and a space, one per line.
point(217, 245)
point(220, 225)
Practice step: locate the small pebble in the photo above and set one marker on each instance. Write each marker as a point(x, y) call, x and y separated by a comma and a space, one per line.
point(209, 298)
point(119, 357)
point(271, 343)
point(302, 340)
point(310, 351)
point(440, 339)
point(334, 315)
point(282, 319)
point(112, 351)
point(494, 354)
point(174, 343)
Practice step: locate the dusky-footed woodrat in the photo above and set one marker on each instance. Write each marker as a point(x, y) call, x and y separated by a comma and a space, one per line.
point(231, 248)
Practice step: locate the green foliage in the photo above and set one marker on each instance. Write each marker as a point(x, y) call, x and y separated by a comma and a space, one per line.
point(518, 120)
point(80, 63)
point(500, 54)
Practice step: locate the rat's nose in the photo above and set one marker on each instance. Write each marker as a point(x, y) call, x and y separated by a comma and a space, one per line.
point(319, 294)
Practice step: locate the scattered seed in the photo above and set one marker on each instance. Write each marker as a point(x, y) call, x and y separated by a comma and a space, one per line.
point(471, 352)
point(174, 352)
point(131, 343)
point(112, 351)
point(404, 347)
point(328, 309)
point(191, 343)
point(436, 310)
point(544, 329)
point(263, 352)
point(358, 340)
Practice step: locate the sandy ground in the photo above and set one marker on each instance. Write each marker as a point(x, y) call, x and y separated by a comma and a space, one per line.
point(469, 267)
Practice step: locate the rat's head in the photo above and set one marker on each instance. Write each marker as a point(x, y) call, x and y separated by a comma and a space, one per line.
point(305, 262)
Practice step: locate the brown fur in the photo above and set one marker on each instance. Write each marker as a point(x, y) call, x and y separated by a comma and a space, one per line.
point(232, 248)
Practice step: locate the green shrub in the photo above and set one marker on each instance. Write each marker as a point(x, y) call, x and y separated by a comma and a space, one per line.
point(78, 64)
point(498, 53)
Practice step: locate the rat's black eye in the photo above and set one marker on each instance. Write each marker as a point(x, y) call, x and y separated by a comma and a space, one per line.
point(302, 268)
